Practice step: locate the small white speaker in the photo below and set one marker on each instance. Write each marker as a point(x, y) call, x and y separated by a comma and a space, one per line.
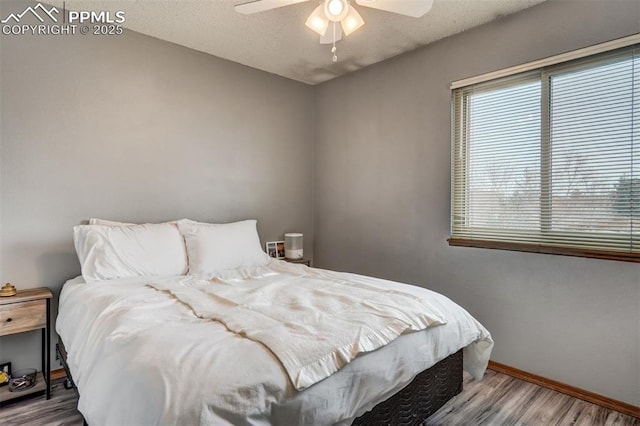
point(293, 246)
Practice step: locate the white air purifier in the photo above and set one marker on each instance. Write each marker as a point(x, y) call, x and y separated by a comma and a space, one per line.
point(293, 246)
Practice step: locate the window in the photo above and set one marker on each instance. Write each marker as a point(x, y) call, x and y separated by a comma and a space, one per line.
point(548, 160)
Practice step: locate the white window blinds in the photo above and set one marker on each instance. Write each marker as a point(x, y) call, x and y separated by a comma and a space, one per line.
point(550, 158)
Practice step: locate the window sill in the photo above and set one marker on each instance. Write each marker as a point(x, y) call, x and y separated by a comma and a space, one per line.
point(536, 248)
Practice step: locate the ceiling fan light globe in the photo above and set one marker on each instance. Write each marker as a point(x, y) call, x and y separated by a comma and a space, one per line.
point(319, 25)
point(317, 21)
point(335, 7)
point(336, 10)
point(351, 22)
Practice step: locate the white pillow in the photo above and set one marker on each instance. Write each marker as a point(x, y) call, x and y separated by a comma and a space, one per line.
point(105, 222)
point(109, 252)
point(215, 248)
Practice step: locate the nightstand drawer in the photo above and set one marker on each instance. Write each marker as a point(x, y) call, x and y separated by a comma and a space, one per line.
point(24, 316)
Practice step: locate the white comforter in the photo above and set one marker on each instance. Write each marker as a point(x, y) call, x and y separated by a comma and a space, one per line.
point(313, 322)
point(140, 357)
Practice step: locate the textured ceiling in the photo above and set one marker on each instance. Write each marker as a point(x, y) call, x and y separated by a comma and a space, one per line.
point(278, 42)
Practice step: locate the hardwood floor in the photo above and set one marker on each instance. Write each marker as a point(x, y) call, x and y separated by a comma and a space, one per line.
point(503, 400)
point(60, 410)
point(496, 400)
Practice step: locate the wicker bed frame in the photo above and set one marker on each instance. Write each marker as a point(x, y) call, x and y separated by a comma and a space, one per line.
point(429, 391)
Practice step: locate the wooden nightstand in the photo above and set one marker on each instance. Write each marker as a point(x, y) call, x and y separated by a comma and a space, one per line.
point(302, 261)
point(26, 311)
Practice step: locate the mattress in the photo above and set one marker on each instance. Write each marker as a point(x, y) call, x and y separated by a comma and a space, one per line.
point(140, 357)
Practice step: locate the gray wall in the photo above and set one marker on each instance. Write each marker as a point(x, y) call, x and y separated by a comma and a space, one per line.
point(382, 176)
point(132, 128)
point(136, 129)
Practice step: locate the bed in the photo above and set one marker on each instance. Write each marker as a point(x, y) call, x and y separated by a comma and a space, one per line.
point(142, 349)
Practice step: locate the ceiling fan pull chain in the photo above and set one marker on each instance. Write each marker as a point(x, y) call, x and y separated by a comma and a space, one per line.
point(333, 49)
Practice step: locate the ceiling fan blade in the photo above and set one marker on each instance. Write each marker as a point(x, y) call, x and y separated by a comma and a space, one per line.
point(334, 33)
point(262, 5)
point(415, 8)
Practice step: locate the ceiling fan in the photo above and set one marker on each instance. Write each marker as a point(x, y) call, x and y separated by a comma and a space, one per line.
point(331, 12)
